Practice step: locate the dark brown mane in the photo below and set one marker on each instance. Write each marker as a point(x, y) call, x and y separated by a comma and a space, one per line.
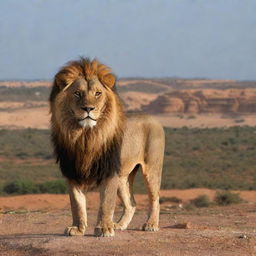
point(87, 156)
point(102, 167)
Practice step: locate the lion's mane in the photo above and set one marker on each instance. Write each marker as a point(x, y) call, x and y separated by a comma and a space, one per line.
point(86, 156)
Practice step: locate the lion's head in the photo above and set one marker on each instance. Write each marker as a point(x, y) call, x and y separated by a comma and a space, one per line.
point(82, 91)
point(87, 120)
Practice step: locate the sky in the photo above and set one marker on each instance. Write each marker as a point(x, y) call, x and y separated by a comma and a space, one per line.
point(213, 39)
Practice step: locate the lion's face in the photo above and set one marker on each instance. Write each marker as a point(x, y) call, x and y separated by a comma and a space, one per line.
point(82, 96)
point(86, 101)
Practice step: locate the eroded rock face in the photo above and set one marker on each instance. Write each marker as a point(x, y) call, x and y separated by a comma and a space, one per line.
point(165, 104)
point(205, 101)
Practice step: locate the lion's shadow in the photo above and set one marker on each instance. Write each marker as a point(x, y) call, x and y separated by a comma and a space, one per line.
point(37, 235)
point(53, 235)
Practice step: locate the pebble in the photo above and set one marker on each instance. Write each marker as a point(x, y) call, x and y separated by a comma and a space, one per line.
point(243, 236)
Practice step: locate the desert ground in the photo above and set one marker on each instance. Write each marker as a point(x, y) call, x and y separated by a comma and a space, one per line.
point(34, 224)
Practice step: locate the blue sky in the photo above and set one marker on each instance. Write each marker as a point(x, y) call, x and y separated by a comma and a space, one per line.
point(147, 38)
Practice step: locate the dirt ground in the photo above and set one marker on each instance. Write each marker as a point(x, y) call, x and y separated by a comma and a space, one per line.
point(34, 224)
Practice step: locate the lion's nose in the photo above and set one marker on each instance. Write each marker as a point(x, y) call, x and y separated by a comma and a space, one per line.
point(88, 109)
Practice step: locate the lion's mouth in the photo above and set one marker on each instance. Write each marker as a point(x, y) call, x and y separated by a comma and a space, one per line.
point(88, 117)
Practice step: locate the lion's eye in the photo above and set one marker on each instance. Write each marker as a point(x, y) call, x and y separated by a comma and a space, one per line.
point(97, 94)
point(77, 94)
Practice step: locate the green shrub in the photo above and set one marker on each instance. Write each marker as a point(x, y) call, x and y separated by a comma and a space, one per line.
point(24, 93)
point(191, 117)
point(189, 207)
point(172, 199)
point(239, 120)
point(20, 187)
point(201, 201)
point(53, 187)
point(227, 198)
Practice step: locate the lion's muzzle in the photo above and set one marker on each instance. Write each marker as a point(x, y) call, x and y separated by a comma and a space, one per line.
point(88, 121)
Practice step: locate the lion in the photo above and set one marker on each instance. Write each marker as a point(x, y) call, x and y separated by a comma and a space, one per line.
point(97, 145)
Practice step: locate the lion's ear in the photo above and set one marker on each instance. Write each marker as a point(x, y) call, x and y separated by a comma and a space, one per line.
point(109, 80)
point(61, 82)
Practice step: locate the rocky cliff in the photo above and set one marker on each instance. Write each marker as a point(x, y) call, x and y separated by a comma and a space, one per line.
point(204, 101)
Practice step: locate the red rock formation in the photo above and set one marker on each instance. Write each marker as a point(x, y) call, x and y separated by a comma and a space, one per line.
point(204, 101)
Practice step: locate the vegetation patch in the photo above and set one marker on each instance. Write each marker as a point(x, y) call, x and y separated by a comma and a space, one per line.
point(227, 198)
point(23, 93)
point(21, 187)
point(216, 158)
point(201, 201)
point(172, 199)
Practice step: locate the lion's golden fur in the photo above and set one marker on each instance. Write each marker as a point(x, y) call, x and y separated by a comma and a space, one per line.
point(87, 149)
point(94, 142)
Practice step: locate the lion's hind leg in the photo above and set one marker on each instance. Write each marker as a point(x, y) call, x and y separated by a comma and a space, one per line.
point(125, 193)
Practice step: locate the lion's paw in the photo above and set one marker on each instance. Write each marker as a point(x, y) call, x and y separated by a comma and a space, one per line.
point(150, 227)
point(104, 232)
point(119, 226)
point(73, 231)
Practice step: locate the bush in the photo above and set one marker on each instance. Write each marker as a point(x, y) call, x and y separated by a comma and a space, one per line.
point(227, 198)
point(239, 120)
point(191, 117)
point(172, 199)
point(20, 187)
point(201, 201)
point(53, 187)
point(189, 207)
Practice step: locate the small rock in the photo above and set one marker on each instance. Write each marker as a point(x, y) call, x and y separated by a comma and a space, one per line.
point(243, 236)
point(186, 225)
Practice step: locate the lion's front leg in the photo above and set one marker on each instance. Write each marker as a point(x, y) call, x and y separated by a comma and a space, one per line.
point(78, 208)
point(108, 192)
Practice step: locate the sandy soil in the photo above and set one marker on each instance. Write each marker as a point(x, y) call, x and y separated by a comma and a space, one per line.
point(131, 82)
point(52, 202)
point(134, 100)
point(205, 81)
point(9, 106)
point(26, 118)
point(29, 84)
point(206, 120)
point(38, 228)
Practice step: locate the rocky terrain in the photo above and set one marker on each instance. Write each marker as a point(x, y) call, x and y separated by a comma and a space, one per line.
point(204, 101)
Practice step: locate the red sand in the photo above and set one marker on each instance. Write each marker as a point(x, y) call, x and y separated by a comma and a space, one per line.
point(50, 202)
